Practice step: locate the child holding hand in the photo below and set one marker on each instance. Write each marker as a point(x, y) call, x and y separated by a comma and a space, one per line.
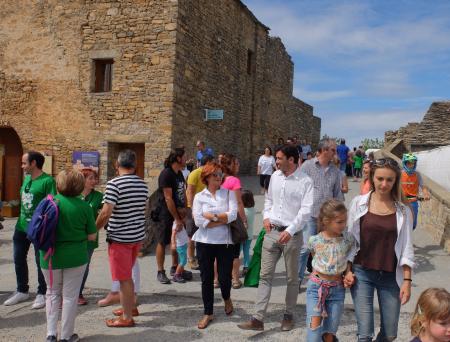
point(179, 242)
point(332, 249)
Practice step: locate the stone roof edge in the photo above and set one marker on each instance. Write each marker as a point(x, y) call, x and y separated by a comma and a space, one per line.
point(250, 13)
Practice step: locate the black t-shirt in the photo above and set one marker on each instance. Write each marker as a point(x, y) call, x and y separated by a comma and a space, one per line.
point(169, 179)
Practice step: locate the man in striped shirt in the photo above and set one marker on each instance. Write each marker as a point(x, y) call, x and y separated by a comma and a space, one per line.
point(124, 210)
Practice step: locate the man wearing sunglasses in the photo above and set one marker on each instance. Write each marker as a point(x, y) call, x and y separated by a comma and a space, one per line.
point(327, 185)
point(36, 186)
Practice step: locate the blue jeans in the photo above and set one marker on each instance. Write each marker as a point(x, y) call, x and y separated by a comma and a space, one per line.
point(21, 246)
point(310, 230)
point(415, 210)
point(343, 166)
point(182, 255)
point(388, 299)
point(245, 247)
point(334, 305)
point(86, 272)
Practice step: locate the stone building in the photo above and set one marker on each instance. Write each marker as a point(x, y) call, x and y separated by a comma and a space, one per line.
point(433, 131)
point(107, 75)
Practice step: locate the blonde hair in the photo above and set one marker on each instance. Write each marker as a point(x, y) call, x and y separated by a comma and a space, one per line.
point(433, 304)
point(70, 183)
point(328, 211)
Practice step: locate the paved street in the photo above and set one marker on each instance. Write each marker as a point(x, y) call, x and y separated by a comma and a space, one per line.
point(170, 312)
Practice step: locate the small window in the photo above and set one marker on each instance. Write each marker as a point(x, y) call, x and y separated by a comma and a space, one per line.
point(103, 75)
point(249, 61)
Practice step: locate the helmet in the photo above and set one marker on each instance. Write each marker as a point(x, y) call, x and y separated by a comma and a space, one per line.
point(409, 158)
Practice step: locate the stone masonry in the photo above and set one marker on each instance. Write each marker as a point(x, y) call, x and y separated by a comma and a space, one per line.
point(172, 59)
point(433, 131)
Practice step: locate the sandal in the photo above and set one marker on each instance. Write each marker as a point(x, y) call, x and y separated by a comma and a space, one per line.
point(120, 323)
point(237, 284)
point(216, 284)
point(204, 322)
point(119, 312)
point(110, 299)
point(228, 307)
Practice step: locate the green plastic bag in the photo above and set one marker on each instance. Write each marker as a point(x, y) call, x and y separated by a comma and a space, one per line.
point(252, 276)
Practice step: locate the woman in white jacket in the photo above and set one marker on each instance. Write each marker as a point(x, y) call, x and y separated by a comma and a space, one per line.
point(382, 226)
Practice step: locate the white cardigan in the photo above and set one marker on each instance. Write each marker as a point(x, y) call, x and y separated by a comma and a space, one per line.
point(403, 246)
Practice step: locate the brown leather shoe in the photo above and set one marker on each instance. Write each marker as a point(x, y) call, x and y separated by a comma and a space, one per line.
point(204, 322)
point(228, 306)
point(252, 324)
point(110, 299)
point(287, 323)
point(120, 322)
point(119, 312)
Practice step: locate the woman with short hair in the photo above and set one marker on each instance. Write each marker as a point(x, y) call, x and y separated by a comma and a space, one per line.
point(75, 227)
point(94, 198)
point(213, 209)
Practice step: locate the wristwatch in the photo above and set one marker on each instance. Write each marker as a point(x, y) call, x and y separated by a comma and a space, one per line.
point(215, 218)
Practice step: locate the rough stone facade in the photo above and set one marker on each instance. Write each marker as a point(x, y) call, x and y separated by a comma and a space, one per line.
point(433, 131)
point(172, 59)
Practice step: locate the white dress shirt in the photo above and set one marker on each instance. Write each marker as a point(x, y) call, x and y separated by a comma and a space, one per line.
point(289, 200)
point(223, 202)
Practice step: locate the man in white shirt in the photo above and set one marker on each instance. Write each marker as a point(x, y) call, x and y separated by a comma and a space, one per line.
point(287, 208)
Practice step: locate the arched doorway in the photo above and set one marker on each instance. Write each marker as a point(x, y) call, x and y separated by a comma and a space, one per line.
point(10, 164)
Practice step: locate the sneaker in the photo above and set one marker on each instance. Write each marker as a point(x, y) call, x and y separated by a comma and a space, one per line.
point(178, 278)
point(244, 271)
point(193, 264)
point(187, 275)
point(173, 269)
point(51, 338)
point(17, 298)
point(39, 302)
point(73, 338)
point(162, 278)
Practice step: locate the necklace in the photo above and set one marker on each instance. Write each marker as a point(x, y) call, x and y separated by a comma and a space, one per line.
point(376, 210)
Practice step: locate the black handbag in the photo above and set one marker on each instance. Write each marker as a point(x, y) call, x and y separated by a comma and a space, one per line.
point(237, 229)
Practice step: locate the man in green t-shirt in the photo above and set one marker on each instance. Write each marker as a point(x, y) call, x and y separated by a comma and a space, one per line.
point(36, 186)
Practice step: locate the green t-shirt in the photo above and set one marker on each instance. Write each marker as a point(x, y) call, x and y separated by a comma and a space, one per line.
point(32, 192)
point(358, 162)
point(75, 222)
point(94, 199)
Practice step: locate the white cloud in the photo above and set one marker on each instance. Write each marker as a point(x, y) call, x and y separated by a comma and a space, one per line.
point(318, 96)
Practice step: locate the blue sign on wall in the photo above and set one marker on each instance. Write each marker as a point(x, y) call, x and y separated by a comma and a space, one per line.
point(213, 114)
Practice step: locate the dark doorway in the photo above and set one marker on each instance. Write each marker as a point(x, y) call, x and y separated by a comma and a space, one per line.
point(113, 151)
point(10, 164)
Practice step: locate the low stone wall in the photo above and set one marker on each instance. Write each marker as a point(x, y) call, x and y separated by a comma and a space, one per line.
point(434, 215)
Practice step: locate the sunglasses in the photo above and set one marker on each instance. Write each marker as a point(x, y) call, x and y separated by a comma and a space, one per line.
point(27, 187)
point(218, 174)
point(386, 161)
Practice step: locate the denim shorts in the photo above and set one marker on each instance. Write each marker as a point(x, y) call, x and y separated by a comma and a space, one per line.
point(334, 305)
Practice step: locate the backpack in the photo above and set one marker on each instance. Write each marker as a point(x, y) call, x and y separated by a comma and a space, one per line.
point(42, 228)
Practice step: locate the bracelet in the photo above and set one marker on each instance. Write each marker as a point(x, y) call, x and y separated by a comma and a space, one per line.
point(408, 279)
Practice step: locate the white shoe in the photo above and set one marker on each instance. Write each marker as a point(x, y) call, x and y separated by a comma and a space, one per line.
point(17, 298)
point(39, 302)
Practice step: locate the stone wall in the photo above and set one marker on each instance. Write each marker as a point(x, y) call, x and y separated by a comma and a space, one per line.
point(172, 59)
point(431, 132)
point(257, 99)
point(54, 53)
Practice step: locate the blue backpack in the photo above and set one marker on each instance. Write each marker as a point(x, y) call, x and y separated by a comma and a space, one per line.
point(42, 227)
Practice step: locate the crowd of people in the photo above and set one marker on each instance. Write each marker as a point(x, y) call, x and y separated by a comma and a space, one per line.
point(365, 247)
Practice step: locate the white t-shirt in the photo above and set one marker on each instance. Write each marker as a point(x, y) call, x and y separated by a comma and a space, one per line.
point(181, 237)
point(266, 164)
point(185, 172)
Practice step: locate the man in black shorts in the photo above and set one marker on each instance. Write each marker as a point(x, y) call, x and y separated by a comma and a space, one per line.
point(173, 187)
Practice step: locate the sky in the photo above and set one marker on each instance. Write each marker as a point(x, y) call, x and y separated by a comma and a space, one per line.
point(365, 66)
